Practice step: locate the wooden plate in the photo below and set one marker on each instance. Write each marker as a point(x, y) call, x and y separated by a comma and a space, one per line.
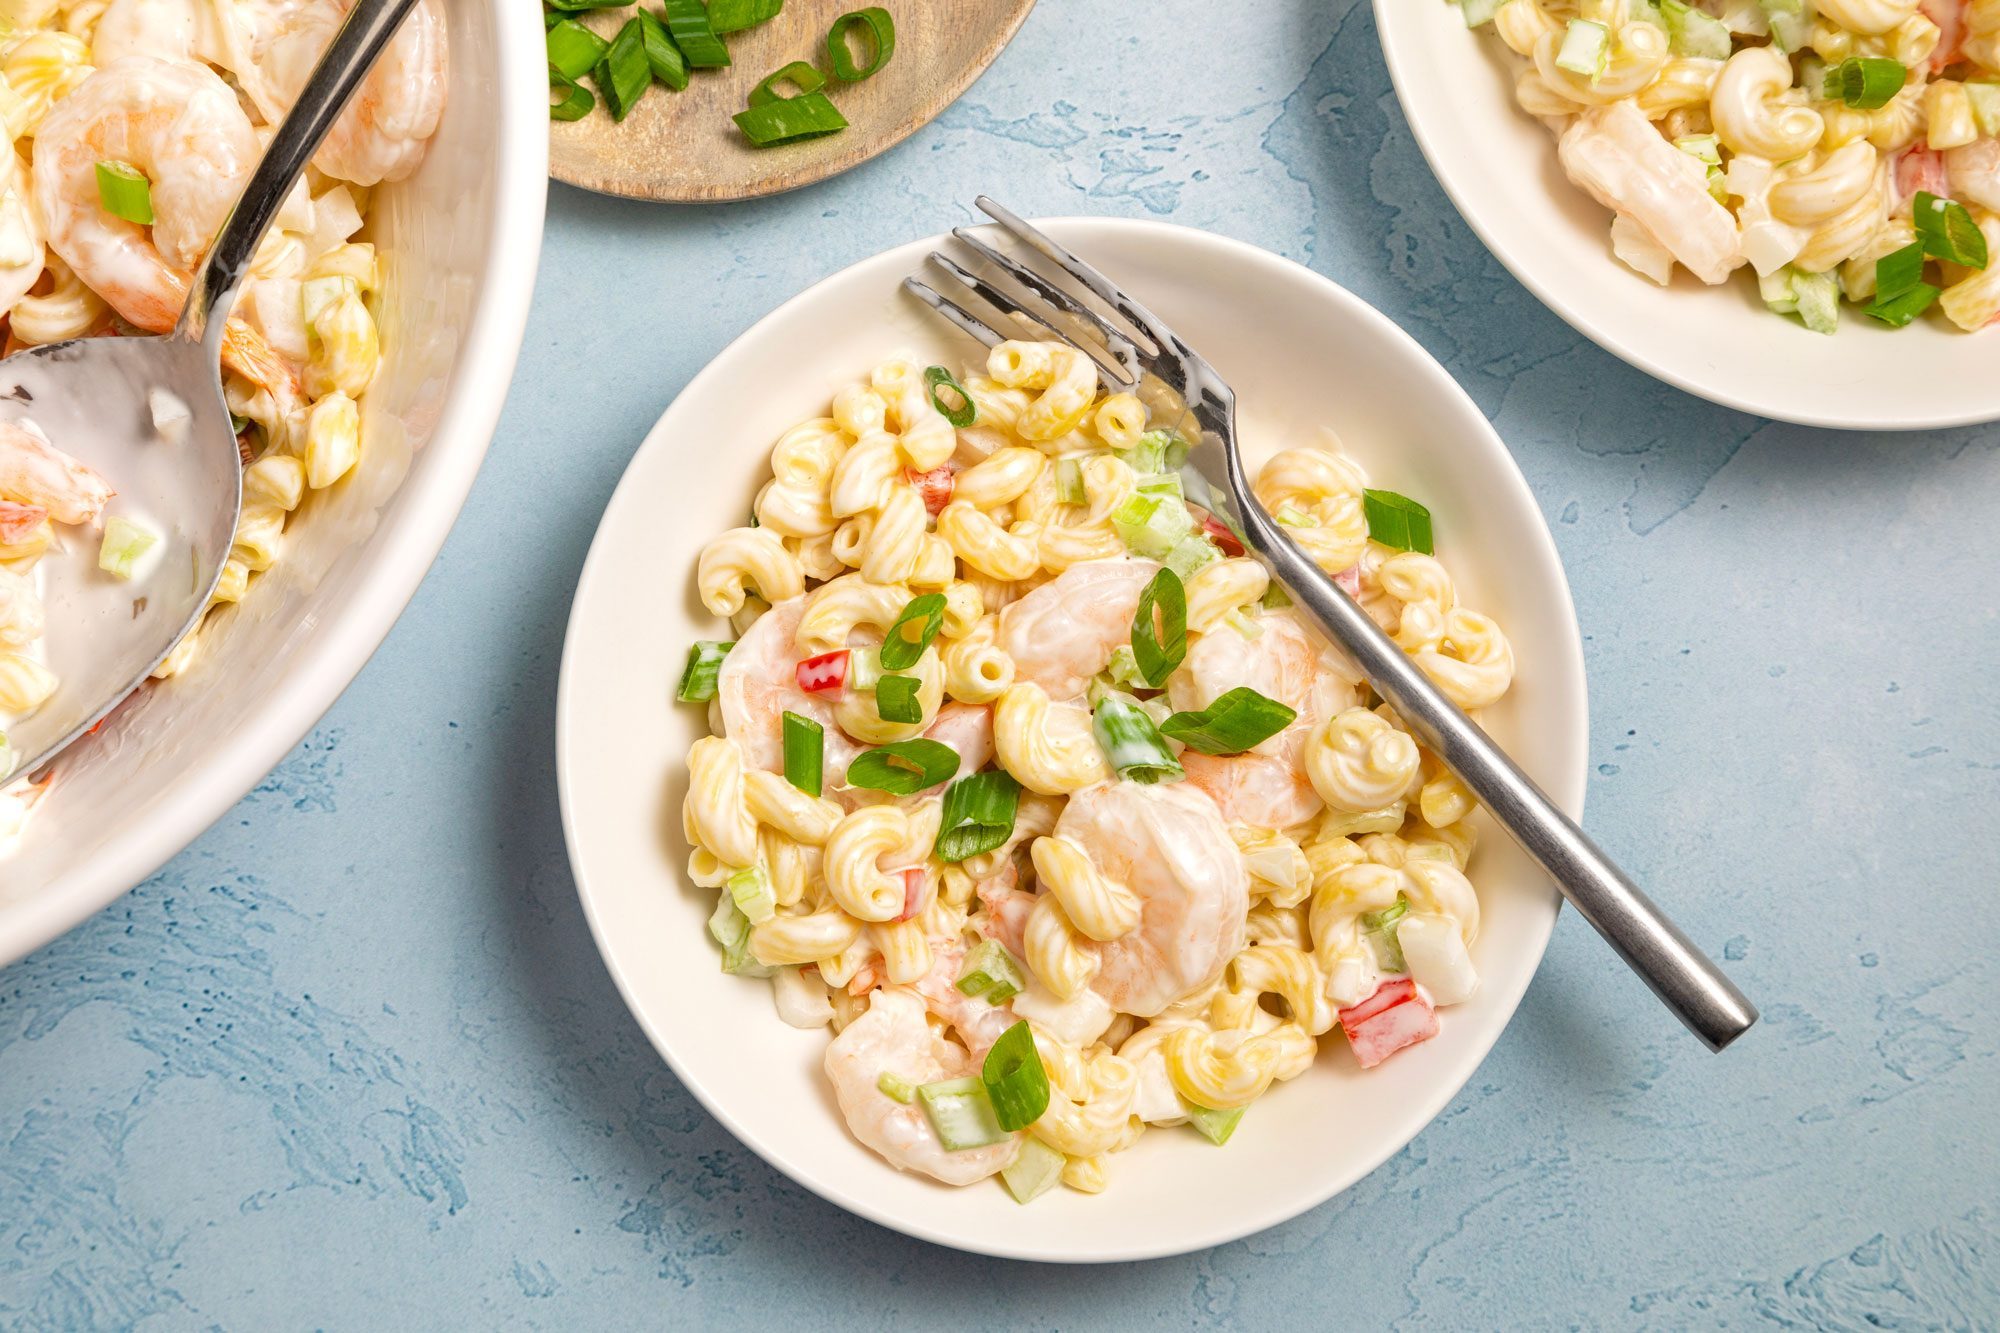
point(682, 147)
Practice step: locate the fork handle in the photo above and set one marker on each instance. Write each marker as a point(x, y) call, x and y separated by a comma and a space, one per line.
point(1694, 988)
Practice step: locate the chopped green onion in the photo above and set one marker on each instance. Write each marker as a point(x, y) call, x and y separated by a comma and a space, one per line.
point(1232, 724)
point(698, 682)
point(125, 192)
point(1151, 524)
point(668, 64)
point(991, 973)
point(1382, 927)
point(1897, 311)
point(1947, 231)
point(1123, 669)
point(1034, 1170)
point(1131, 743)
point(576, 102)
point(896, 1088)
point(751, 891)
point(978, 815)
point(1585, 46)
point(1158, 451)
point(904, 768)
point(624, 75)
point(1985, 96)
point(804, 79)
point(1818, 298)
point(1215, 1126)
point(961, 1113)
point(789, 119)
point(579, 6)
point(1899, 271)
point(1397, 521)
point(1157, 649)
point(1069, 482)
point(1015, 1079)
point(575, 49)
point(1479, 13)
point(805, 753)
point(736, 15)
point(1190, 554)
point(882, 32)
point(937, 377)
point(1866, 83)
point(913, 631)
point(731, 930)
point(687, 21)
point(896, 699)
point(125, 544)
point(1690, 32)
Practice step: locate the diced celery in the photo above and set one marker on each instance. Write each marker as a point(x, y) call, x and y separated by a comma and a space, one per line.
point(864, 668)
point(1585, 48)
point(1818, 298)
point(1702, 147)
point(751, 890)
point(731, 930)
point(1985, 95)
point(1776, 289)
point(1156, 451)
point(961, 1113)
point(991, 973)
point(1380, 928)
point(1034, 1171)
point(1215, 1126)
point(1478, 13)
point(1124, 669)
point(125, 544)
point(1191, 553)
point(316, 294)
point(1162, 483)
point(1069, 482)
point(1151, 525)
point(896, 1088)
point(1790, 22)
point(1694, 33)
point(1294, 517)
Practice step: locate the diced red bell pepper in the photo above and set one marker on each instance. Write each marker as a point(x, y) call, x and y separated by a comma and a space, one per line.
point(825, 674)
point(934, 487)
point(1398, 1014)
point(913, 893)
point(19, 522)
point(1214, 529)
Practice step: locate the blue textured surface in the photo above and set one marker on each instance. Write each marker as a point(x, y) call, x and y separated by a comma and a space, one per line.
point(352, 1059)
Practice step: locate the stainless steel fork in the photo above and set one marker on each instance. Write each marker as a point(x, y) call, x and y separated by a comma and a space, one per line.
point(1144, 354)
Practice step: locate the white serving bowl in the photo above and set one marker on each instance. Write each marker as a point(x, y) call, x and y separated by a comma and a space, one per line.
point(1301, 353)
point(459, 243)
point(1499, 166)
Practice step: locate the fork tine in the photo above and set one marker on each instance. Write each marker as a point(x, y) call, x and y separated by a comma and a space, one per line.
point(1114, 375)
point(956, 313)
point(1144, 320)
point(1117, 341)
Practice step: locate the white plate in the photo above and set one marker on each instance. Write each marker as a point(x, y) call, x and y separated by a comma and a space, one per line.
point(459, 241)
point(1301, 353)
point(1499, 166)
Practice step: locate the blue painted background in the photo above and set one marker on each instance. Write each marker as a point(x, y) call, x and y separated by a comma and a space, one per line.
point(352, 1061)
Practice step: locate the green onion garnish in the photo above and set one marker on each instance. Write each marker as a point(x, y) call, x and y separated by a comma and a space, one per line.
point(789, 119)
point(896, 1088)
point(669, 65)
point(1899, 271)
point(751, 890)
point(125, 544)
point(913, 632)
point(576, 100)
point(1948, 231)
point(991, 973)
point(804, 79)
point(687, 21)
point(1866, 83)
point(624, 75)
point(579, 6)
point(1232, 724)
point(1015, 1079)
point(736, 15)
point(1131, 743)
point(1382, 925)
point(978, 815)
point(896, 699)
point(1034, 1170)
point(575, 49)
point(937, 377)
point(903, 768)
point(1157, 649)
point(1897, 311)
point(698, 682)
point(805, 753)
point(882, 31)
point(1397, 521)
point(1215, 1126)
point(961, 1114)
point(125, 192)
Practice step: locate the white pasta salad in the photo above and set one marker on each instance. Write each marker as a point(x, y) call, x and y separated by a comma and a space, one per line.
point(133, 126)
point(1836, 148)
point(1038, 794)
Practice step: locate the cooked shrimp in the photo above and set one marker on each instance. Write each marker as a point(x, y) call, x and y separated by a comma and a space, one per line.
point(1064, 632)
point(1975, 174)
point(759, 683)
point(1617, 155)
point(968, 730)
point(382, 133)
point(38, 475)
point(977, 1022)
point(892, 1037)
point(178, 122)
point(19, 522)
point(1169, 846)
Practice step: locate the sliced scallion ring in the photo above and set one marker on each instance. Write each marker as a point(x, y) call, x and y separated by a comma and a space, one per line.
point(790, 119)
point(1397, 521)
point(978, 815)
point(805, 753)
point(575, 49)
point(913, 631)
point(803, 78)
point(1157, 649)
point(736, 15)
point(1897, 311)
point(669, 65)
point(882, 32)
point(125, 192)
point(698, 681)
point(1947, 231)
point(1899, 271)
point(1131, 743)
point(903, 768)
point(624, 75)
point(937, 377)
point(1015, 1079)
point(1866, 83)
point(896, 699)
point(688, 22)
point(576, 101)
point(1232, 724)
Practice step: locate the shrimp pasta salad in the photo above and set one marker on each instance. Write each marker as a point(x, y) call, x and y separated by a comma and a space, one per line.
point(1033, 790)
point(1836, 148)
point(134, 125)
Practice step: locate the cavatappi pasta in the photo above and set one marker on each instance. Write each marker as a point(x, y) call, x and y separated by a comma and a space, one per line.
point(948, 811)
point(1836, 148)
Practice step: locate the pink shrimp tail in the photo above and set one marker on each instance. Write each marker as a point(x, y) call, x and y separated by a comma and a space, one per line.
point(18, 522)
point(1918, 168)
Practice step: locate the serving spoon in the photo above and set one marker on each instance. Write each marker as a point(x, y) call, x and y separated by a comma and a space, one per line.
point(148, 414)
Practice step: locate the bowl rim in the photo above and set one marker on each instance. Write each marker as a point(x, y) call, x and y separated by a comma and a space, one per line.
point(355, 628)
point(1391, 18)
point(1567, 788)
